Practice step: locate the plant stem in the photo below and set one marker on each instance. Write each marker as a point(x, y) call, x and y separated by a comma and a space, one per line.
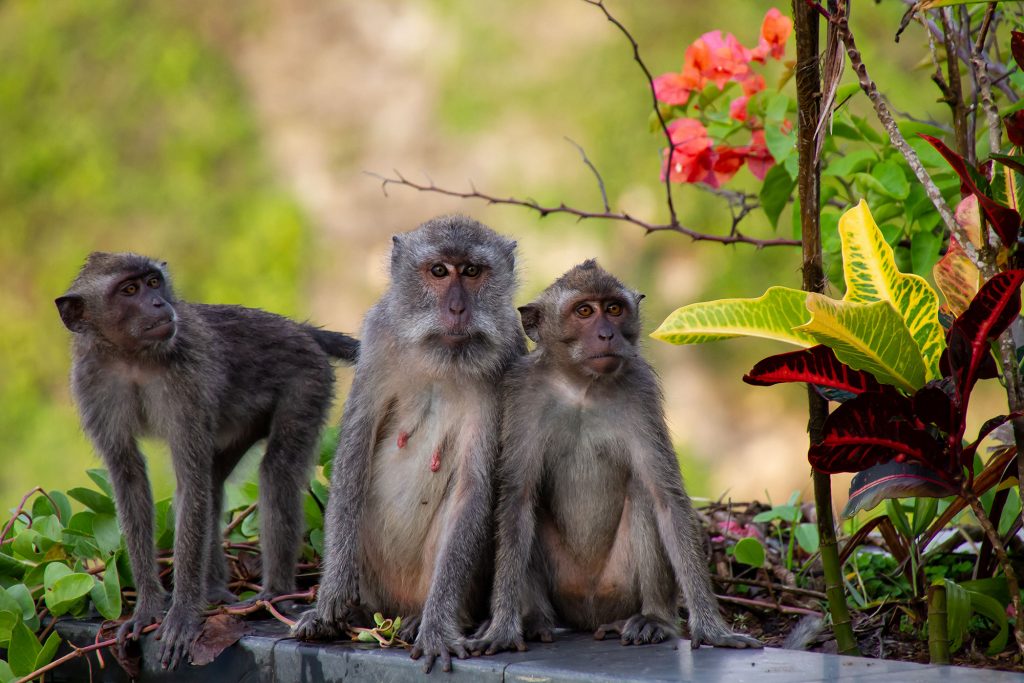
point(938, 637)
point(808, 89)
point(1004, 563)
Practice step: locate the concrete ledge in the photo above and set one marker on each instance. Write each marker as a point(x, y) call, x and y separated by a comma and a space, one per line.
point(266, 656)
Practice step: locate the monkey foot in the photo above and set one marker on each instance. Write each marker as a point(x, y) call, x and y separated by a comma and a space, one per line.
point(639, 629)
point(176, 634)
point(498, 636)
point(431, 645)
point(723, 638)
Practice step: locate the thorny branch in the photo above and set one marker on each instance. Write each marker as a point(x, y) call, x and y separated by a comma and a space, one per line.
point(581, 214)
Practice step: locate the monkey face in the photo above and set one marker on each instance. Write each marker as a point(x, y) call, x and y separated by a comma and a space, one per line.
point(455, 285)
point(131, 310)
point(595, 333)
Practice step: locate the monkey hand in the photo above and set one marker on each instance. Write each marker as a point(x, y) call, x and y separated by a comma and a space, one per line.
point(499, 635)
point(143, 616)
point(639, 629)
point(720, 636)
point(176, 634)
point(436, 641)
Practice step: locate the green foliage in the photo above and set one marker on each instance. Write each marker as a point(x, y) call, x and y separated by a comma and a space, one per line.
point(123, 130)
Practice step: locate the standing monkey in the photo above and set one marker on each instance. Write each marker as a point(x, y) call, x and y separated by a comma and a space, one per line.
point(211, 380)
point(595, 530)
point(409, 512)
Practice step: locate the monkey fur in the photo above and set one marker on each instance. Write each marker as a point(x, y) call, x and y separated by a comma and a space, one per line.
point(211, 380)
point(594, 528)
point(408, 518)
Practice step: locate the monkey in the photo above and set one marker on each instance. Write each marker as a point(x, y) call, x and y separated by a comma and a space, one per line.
point(211, 380)
point(595, 530)
point(409, 511)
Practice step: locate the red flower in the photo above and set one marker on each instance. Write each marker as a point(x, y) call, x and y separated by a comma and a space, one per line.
point(693, 156)
point(675, 88)
point(728, 160)
point(718, 58)
point(775, 31)
point(759, 159)
point(738, 108)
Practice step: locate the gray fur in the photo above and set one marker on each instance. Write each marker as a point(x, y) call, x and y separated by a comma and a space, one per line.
point(226, 378)
point(595, 529)
point(402, 539)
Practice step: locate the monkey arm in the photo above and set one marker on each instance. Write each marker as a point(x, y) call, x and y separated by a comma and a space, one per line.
point(680, 533)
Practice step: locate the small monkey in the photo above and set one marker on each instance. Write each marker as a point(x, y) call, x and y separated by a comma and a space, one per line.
point(211, 380)
point(408, 518)
point(595, 530)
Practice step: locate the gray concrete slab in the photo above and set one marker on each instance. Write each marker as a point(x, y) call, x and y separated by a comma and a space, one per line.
point(266, 657)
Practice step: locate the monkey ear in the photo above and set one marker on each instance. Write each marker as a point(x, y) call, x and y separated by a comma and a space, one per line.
point(637, 298)
point(72, 311)
point(530, 315)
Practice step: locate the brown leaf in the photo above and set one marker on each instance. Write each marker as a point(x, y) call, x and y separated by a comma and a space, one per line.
point(957, 278)
point(220, 631)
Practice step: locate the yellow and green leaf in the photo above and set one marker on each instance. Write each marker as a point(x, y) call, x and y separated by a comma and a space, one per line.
point(872, 276)
point(774, 315)
point(867, 336)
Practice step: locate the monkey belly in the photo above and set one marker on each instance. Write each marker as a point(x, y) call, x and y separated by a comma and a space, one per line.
point(595, 585)
point(402, 525)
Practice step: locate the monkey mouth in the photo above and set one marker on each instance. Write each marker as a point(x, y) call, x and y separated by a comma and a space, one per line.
point(453, 339)
point(604, 363)
point(160, 330)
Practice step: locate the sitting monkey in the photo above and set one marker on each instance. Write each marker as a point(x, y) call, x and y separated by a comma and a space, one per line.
point(595, 530)
point(211, 380)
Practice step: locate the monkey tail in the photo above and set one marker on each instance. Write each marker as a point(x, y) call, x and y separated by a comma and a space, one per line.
point(336, 344)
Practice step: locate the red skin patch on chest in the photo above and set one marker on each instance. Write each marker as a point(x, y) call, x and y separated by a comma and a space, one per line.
point(403, 439)
point(435, 460)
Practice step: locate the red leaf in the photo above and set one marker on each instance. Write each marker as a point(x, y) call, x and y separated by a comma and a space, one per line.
point(1005, 221)
point(895, 480)
point(992, 424)
point(869, 430)
point(816, 365)
point(990, 313)
point(1017, 47)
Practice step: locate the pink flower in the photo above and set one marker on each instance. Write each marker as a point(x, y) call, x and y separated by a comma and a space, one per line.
point(675, 88)
point(692, 156)
point(738, 108)
point(775, 31)
point(718, 58)
point(759, 159)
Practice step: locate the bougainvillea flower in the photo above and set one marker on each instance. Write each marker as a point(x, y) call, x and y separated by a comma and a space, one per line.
point(738, 108)
point(693, 156)
point(775, 31)
point(675, 88)
point(753, 83)
point(759, 159)
point(718, 58)
point(727, 161)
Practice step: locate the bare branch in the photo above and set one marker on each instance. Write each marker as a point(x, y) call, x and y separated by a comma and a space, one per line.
point(733, 238)
point(673, 219)
point(597, 174)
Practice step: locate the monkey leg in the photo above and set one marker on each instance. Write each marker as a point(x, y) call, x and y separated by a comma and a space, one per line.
point(216, 566)
point(284, 475)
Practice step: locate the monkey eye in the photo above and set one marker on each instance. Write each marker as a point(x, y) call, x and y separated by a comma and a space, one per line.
point(584, 310)
point(614, 309)
point(130, 289)
point(471, 271)
point(438, 270)
point(153, 282)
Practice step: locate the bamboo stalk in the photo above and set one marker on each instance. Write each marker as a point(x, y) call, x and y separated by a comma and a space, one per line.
point(938, 635)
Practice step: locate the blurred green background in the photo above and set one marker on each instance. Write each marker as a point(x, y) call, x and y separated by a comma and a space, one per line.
point(232, 140)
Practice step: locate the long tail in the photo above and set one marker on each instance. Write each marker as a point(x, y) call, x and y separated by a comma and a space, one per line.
point(336, 344)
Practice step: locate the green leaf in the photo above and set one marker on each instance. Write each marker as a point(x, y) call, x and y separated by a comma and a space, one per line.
point(102, 480)
point(316, 539)
point(990, 607)
point(6, 675)
point(891, 179)
point(785, 513)
point(924, 251)
point(869, 337)
point(24, 545)
point(775, 193)
point(24, 649)
point(94, 500)
point(53, 572)
point(11, 567)
point(749, 551)
point(781, 145)
point(848, 164)
point(107, 595)
point(8, 619)
point(771, 316)
point(23, 597)
point(61, 594)
point(871, 275)
point(807, 536)
point(958, 613)
point(46, 653)
point(49, 527)
point(106, 533)
point(924, 514)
